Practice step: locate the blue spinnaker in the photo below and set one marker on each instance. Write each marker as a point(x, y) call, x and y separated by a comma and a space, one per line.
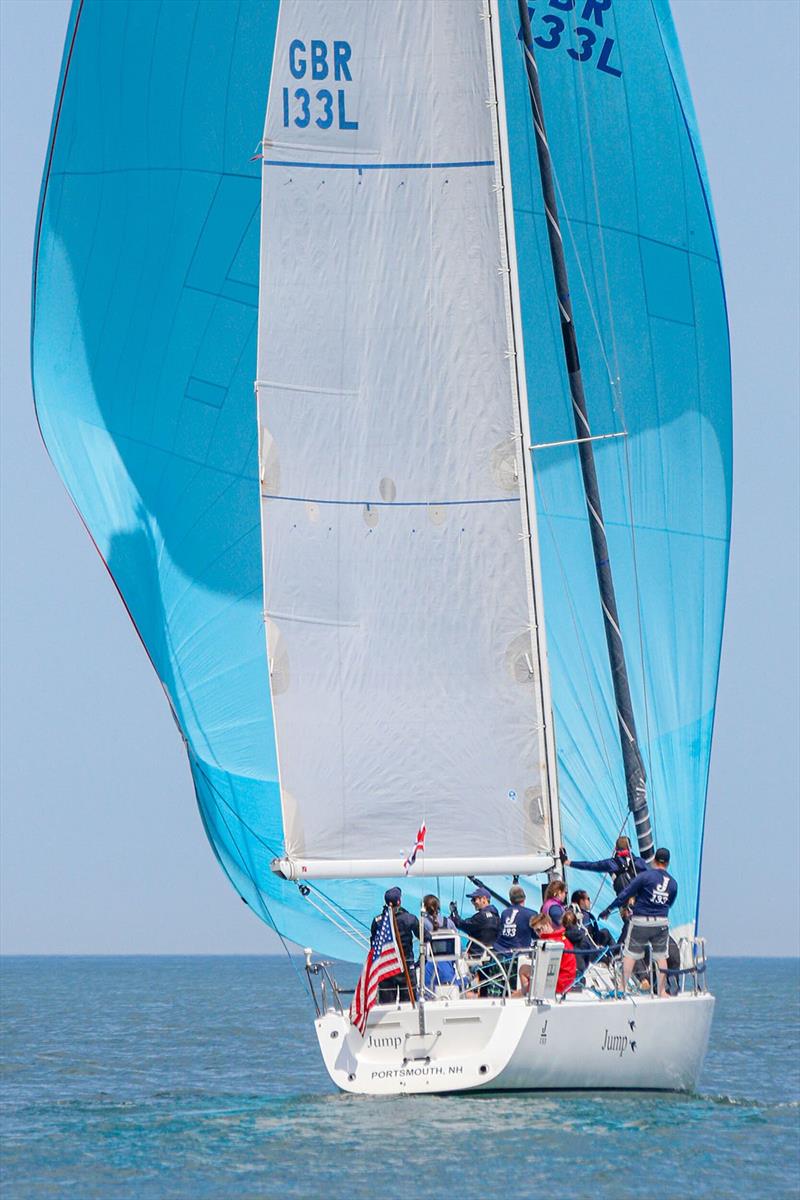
point(144, 352)
point(144, 348)
point(650, 316)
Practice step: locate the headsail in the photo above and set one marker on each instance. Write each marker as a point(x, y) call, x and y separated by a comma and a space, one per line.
point(407, 673)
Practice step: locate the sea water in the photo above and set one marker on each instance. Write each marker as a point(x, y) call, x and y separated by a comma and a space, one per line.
point(200, 1077)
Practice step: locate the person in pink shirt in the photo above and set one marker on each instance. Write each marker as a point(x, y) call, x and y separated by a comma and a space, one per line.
point(555, 893)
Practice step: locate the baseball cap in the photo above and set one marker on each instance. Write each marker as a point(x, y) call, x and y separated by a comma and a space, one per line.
point(393, 895)
point(479, 892)
point(662, 855)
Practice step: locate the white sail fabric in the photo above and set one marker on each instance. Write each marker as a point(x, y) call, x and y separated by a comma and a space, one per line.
point(406, 680)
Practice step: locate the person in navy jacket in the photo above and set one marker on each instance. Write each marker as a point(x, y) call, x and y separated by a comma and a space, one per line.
point(407, 926)
point(622, 867)
point(582, 906)
point(653, 892)
point(483, 927)
point(515, 924)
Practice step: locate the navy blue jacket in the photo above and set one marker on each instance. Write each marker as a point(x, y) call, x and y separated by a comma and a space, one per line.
point(579, 940)
point(407, 930)
point(515, 929)
point(618, 868)
point(654, 893)
point(600, 937)
point(482, 928)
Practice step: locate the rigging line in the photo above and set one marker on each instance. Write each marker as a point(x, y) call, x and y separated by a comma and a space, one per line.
point(270, 920)
point(640, 629)
point(343, 912)
point(341, 917)
point(565, 213)
point(617, 393)
point(275, 853)
point(360, 939)
point(580, 645)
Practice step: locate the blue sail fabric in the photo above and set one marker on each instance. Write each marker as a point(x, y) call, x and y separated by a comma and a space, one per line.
point(647, 292)
point(144, 353)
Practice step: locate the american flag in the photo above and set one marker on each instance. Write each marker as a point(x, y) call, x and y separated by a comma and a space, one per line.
point(383, 961)
point(418, 845)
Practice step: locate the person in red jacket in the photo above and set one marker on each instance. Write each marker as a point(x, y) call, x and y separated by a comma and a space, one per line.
point(547, 927)
point(567, 970)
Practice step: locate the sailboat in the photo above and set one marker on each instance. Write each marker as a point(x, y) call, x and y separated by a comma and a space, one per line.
point(462, 564)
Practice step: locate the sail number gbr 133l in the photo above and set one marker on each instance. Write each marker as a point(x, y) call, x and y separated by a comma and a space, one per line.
point(587, 42)
point(314, 62)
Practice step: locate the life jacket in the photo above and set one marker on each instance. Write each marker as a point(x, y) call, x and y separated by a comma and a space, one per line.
point(626, 872)
point(568, 969)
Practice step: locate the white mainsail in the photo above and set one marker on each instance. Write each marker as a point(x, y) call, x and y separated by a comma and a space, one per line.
point(408, 681)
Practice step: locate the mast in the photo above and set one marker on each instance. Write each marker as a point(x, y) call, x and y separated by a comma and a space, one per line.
point(635, 777)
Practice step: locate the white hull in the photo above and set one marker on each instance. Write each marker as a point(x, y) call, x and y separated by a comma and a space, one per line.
point(582, 1042)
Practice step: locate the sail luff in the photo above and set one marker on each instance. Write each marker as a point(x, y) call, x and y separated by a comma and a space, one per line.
point(635, 776)
point(517, 353)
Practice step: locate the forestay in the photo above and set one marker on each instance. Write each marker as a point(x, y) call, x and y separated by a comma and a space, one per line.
point(406, 677)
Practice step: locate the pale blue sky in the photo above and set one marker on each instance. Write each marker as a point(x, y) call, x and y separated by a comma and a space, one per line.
point(102, 847)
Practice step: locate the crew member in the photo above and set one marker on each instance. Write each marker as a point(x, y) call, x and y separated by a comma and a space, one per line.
point(622, 867)
point(555, 893)
point(567, 970)
point(579, 943)
point(483, 927)
point(515, 932)
point(653, 892)
point(582, 907)
point(407, 926)
point(515, 924)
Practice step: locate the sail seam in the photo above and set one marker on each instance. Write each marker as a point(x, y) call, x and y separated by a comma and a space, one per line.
point(403, 166)
point(392, 503)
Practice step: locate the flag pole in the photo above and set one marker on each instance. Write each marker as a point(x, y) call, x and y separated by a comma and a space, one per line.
point(421, 966)
point(399, 945)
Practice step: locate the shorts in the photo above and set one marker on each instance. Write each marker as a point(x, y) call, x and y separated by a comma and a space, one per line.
point(644, 932)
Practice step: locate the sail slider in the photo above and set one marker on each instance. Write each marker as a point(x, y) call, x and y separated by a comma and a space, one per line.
point(597, 437)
